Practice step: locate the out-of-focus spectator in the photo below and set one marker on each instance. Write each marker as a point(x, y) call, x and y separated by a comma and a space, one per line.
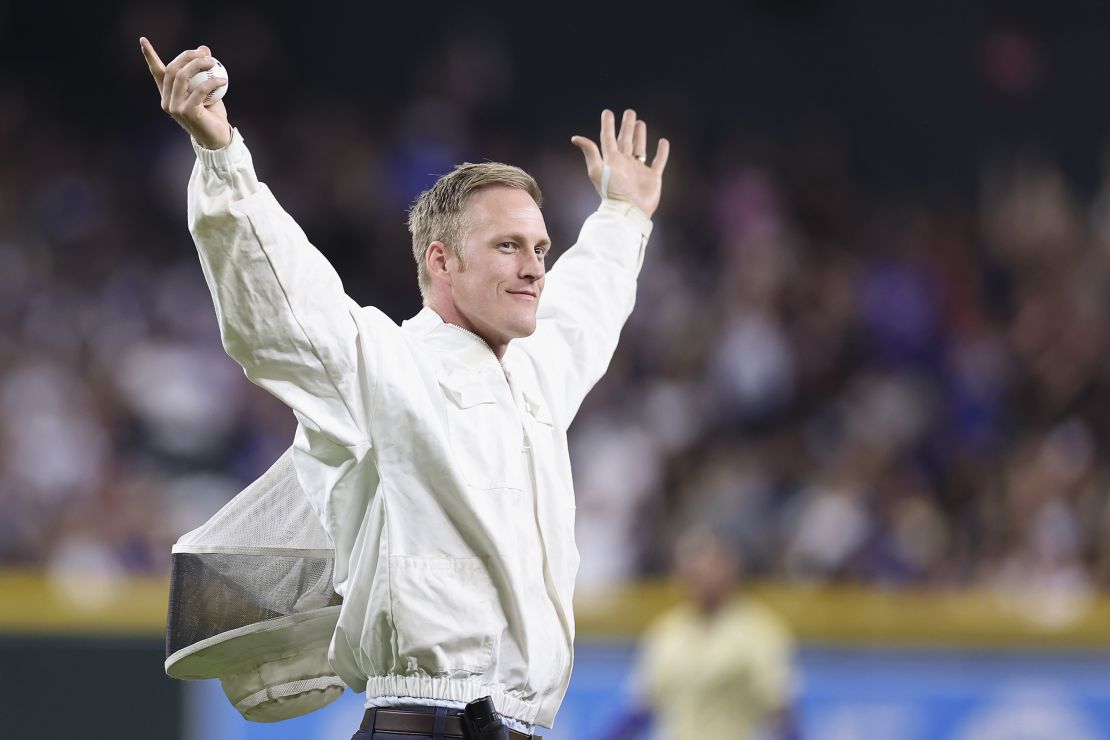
point(718, 665)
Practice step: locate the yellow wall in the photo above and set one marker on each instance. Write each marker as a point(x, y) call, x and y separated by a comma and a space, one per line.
point(33, 603)
point(856, 615)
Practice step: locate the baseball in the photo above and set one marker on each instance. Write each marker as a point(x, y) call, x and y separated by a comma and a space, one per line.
point(218, 70)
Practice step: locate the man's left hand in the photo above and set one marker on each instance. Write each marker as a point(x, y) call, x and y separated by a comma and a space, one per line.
point(630, 177)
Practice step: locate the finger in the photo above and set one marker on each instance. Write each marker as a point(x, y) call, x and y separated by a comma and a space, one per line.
point(590, 151)
point(662, 151)
point(181, 89)
point(171, 73)
point(608, 138)
point(628, 126)
point(153, 61)
point(198, 64)
point(200, 92)
point(639, 140)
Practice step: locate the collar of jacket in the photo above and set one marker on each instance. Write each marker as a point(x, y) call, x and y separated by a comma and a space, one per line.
point(465, 347)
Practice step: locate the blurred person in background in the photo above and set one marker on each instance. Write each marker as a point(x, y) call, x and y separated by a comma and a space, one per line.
point(434, 453)
point(718, 665)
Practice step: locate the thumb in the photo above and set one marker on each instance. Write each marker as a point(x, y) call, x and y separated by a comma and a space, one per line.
point(589, 151)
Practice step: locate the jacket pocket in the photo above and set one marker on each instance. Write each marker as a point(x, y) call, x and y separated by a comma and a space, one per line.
point(485, 438)
point(447, 616)
point(537, 409)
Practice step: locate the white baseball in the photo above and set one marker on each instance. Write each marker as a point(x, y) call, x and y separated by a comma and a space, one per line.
point(218, 70)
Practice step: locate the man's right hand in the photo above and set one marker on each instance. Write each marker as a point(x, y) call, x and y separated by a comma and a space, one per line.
point(207, 124)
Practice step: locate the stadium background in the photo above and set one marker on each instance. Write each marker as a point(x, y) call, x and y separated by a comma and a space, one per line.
point(871, 337)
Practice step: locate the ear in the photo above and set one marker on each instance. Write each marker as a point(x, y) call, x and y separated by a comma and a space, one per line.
point(436, 259)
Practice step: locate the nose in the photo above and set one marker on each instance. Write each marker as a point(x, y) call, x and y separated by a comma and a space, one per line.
point(533, 267)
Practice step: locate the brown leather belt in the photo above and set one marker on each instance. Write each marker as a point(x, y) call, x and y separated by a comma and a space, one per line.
point(418, 723)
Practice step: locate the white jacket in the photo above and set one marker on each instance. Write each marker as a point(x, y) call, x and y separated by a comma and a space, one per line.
point(441, 475)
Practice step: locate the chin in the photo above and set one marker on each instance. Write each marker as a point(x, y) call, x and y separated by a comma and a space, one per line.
point(525, 331)
point(524, 328)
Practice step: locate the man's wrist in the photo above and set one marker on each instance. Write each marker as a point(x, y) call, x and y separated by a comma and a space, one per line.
point(625, 208)
point(216, 146)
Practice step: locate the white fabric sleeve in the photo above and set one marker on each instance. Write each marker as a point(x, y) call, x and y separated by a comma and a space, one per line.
point(588, 295)
point(282, 311)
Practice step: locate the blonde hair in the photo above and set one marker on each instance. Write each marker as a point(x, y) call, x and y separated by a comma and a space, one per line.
point(439, 213)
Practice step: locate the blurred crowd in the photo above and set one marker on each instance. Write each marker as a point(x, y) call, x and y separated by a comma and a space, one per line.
point(892, 391)
point(895, 389)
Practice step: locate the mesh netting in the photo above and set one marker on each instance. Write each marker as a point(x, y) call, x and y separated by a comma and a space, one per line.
point(214, 593)
point(262, 556)
point(272, 512)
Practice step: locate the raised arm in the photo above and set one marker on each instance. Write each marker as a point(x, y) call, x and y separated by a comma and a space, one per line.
point(592, 288)
point(282, 310)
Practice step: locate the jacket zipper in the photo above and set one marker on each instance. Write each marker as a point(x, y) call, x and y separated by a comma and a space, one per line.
point(484, 344)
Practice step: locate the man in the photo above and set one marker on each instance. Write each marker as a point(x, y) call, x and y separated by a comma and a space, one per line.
point(434, 453)
point(718, 665)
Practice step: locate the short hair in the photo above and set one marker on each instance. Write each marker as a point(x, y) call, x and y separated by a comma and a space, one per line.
point(438, 214)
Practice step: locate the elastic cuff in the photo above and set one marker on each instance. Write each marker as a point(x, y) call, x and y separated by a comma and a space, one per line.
point(222, 159)
point(629, 211)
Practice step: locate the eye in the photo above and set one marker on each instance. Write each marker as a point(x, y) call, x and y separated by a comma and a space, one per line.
point(506, 245)
point(541, 252)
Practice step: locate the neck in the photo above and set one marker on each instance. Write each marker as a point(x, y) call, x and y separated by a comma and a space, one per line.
point(710, 604)
point(450, 315)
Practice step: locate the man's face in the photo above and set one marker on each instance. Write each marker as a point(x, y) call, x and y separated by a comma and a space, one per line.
point(499, 291)
point(708, 572)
